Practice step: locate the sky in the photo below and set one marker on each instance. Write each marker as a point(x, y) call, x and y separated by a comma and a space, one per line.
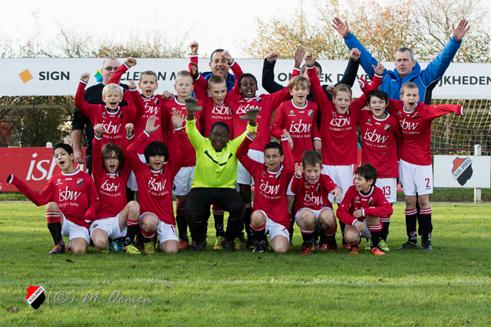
point(213, 23)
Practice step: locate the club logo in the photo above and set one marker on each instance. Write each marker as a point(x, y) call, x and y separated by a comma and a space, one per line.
point(462, 169)
point(35, 296)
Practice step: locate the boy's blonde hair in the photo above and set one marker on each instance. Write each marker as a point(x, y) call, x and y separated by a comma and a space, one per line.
point(408, 85)
point(298, 81)
point(342, 88)
point(112, 88)
point(184, 73)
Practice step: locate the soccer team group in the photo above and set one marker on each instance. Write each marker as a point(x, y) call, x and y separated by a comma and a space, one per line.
point(271, 161)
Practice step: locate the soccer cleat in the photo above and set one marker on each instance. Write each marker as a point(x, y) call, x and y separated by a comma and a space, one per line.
point(183, 245)
point(261, 247)
point(427, 246)
point(409, 245)
point(57, 249)
point(229, 246)
point(218, 243)
point(383, 246)
point(149, 248)
point(251, 243)
point(355, 250)
point(196, 246)
point(376, 251)
point(347, 246)
point(306, 249)
point(322, 246)
point(369, 245)
point(131, 249)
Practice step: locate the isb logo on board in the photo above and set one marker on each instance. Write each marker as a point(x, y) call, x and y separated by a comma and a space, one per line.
point(462, 169)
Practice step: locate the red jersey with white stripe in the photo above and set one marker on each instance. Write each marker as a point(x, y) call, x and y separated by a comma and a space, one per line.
point(212, 112)
point(373, 203)
point(270, 187)
point(416, 129)
point(74, 193)
point(111, 186)
point(189, 155)
point(380, 137)
point(113, 123)
point(155, 186)
point(312, 196)
point(338, 131)
point(300, 122)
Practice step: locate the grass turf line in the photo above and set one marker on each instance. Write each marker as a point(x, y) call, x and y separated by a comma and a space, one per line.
point(448, 287)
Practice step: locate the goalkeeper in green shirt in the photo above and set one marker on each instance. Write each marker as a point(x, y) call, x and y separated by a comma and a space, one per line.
point(215, 177)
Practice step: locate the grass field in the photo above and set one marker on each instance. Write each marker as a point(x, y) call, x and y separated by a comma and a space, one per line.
point(449, 287)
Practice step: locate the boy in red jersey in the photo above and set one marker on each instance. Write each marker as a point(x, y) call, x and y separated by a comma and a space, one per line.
point(111, 175)
point(361, 209)
point(184, 178)
point(155, 180)
point(112, 116)
point(380, 134)
point(415, 165)
point(313, 211)
point(71, 199)
point(271, 179)
point(266, 103)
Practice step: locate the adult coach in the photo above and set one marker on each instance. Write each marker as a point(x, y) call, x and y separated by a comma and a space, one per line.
point(79, 122)
point(407, 68)
point(219, 65)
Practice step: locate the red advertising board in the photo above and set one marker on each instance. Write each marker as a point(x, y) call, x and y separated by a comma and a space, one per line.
point(34, 165)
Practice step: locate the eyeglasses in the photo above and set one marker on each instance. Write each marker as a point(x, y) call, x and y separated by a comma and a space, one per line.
point(110, 68)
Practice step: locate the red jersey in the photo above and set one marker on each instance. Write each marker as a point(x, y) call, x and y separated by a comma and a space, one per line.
point(270, 187)
point(380, 137)
point(211, 112)
point(189, 158)
point(74, 193)
point(300, 122)
point(373, 204)
point(111, 186)
point(338, 131)
point(155, 186)
point(113, 122)
point(266, 103)
point(312, 196)
point(416, 129)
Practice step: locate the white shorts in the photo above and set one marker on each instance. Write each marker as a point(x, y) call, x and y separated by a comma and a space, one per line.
point(110, 226)
point(132, 185)
point(415, 178)
point(342, 176)
point(243, 176)
point(73, 230)
point(389, 187)
point(315, 212)
point(274, 229)
point(166, 232)
point(183, 181)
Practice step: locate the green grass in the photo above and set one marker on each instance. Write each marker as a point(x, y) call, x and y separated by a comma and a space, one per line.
point(449, 287)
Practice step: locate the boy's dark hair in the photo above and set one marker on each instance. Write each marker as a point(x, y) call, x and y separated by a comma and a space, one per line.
point(220, 124)
point(274, 145)
point(149, 73)
point(311, 158)
point(107, 149)
point(368, 172)
point(156, 148)
point(215, 51)
point(378, 94)
point(63, 146)
point(216, 79)
point(316, 64)
point(248, 75)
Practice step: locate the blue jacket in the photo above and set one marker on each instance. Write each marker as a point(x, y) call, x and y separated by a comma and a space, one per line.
point(230, 79)
point(392, 82)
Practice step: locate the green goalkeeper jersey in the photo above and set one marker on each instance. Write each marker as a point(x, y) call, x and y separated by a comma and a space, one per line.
point(214, 169)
